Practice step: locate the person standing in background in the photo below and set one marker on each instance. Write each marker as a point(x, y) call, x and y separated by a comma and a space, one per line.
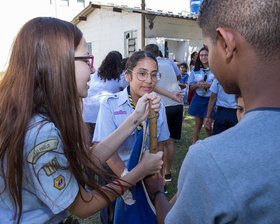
point(225, 112)
point(183, 82)
point(105, 81)
point(170, 93)
point(192, 64)
point(201, 78)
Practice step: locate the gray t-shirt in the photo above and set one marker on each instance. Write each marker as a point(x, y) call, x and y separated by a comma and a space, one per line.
point(233, 177)
point(168, 81)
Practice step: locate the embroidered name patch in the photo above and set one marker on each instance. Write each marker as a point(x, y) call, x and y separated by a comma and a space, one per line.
point(52, 167)
point(59, 182)
point(119, 112)
point(41, 149)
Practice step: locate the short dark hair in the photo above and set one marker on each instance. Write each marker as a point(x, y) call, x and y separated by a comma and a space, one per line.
point(183, 64)
point(153, 48)
point(111, 66)
point(256, 20)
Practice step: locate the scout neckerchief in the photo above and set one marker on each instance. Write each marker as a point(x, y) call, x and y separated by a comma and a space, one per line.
point(139, 127)
point(205, 70)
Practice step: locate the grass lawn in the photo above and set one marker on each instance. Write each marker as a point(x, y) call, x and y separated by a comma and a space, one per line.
point(181, 149)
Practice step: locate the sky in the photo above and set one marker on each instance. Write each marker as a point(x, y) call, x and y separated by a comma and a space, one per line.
point(15, 13)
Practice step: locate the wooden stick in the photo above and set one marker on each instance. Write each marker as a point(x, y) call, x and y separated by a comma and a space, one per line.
point(152, 129)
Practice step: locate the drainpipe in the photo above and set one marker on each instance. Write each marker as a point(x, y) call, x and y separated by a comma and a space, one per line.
point(143, 25)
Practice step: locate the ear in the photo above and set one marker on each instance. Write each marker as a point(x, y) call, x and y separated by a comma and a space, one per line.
point(226, 39)
point(127, 76)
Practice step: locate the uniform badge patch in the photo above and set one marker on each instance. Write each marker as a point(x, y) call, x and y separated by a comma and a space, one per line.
point(52, 167)
point(40, 149)
point(119, 112)
point(59, 182)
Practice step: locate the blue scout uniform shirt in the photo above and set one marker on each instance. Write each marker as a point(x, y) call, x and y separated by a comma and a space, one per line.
point(113, 112)
point(223, 99)
point(184, 80)
point(47, 190)
point(197, 76)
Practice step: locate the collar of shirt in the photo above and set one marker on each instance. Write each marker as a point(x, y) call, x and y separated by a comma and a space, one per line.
point(122, 97)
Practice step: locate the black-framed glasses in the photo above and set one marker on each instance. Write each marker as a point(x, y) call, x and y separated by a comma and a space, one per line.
point(143, 75)
point(89, 59)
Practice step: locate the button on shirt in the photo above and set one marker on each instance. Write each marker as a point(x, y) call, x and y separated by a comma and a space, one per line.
point(113, 112)
point(196, 77)
point(223, 99)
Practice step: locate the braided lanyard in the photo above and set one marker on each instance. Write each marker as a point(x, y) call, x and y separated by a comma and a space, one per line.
point(205, 70)
point(139, 127)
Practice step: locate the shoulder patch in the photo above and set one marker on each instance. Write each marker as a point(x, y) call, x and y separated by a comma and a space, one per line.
point(40, 149)
point(52, 167)
point(59, 182)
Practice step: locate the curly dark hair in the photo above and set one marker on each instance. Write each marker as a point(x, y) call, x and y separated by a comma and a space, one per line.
point(111, 66)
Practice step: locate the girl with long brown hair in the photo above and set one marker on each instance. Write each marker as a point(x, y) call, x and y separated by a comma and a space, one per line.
point(44, 153)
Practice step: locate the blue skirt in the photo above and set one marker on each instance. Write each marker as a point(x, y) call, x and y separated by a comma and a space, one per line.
point(199, 106)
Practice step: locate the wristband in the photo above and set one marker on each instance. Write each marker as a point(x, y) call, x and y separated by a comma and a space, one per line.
point(119, 183)
point(155, 195)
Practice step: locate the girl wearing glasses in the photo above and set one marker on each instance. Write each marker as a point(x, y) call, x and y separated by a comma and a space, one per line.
point(200, 80)
point(44, 153)
point(141, 73)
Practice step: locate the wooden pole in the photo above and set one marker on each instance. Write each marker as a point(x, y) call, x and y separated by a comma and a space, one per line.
point(143, 25)
point(152, 129)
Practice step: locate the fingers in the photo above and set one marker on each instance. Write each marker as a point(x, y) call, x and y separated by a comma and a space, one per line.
point(160, 154)
point(155, 101)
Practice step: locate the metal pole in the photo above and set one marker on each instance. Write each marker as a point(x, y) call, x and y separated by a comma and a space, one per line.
point(143, 25)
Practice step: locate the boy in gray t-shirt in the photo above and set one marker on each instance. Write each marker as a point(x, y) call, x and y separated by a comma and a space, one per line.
point(234, 177)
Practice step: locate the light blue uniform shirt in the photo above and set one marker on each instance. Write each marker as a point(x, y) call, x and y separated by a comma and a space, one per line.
point(97, 91)
point(47, 191)
point(223, 99)
point(196, 77)
point(113, 112)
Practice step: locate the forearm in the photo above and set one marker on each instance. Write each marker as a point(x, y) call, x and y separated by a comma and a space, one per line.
point(164, 92)
point(173, 199)
point(88, 203)
point(104, 150)
point(211, 104)
point(194, 86)
point(116, 164)
point(162, 207)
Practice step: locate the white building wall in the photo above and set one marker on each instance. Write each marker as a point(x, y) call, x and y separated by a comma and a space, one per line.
point(183, 36)
point(105, 30)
